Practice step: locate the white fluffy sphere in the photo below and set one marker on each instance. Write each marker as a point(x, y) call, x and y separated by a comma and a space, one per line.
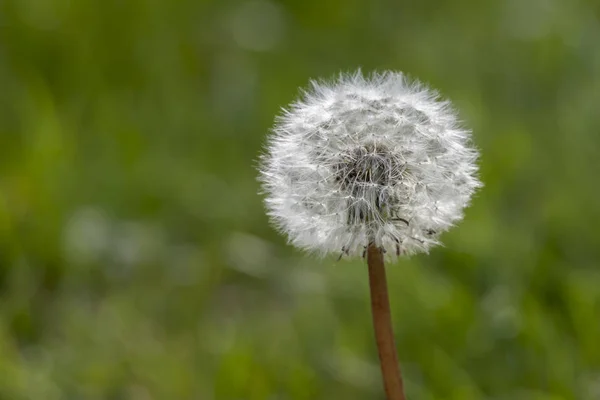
point(368, 160)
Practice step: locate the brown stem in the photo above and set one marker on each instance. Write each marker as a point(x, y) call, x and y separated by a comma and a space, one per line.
point(382, 322)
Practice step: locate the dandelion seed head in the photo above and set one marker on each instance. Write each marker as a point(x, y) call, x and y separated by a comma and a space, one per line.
point(361, 160)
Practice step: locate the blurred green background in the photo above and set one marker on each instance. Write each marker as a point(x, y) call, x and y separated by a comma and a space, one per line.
point(136, 260)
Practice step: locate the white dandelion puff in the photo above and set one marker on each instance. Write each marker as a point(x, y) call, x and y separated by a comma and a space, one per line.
point(379, 160)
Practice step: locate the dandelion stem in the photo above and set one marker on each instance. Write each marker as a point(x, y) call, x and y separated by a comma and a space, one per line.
point(382, 322)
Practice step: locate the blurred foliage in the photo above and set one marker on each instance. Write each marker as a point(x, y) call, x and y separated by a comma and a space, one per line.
point(136, 261)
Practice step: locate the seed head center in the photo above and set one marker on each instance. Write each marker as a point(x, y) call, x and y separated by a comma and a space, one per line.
point(369, 165)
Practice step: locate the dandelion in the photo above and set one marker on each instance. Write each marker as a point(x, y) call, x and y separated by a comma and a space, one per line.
point(367, 167)
point(377, 160)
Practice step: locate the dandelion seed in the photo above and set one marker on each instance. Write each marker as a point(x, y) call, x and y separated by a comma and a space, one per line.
point(379, 160)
